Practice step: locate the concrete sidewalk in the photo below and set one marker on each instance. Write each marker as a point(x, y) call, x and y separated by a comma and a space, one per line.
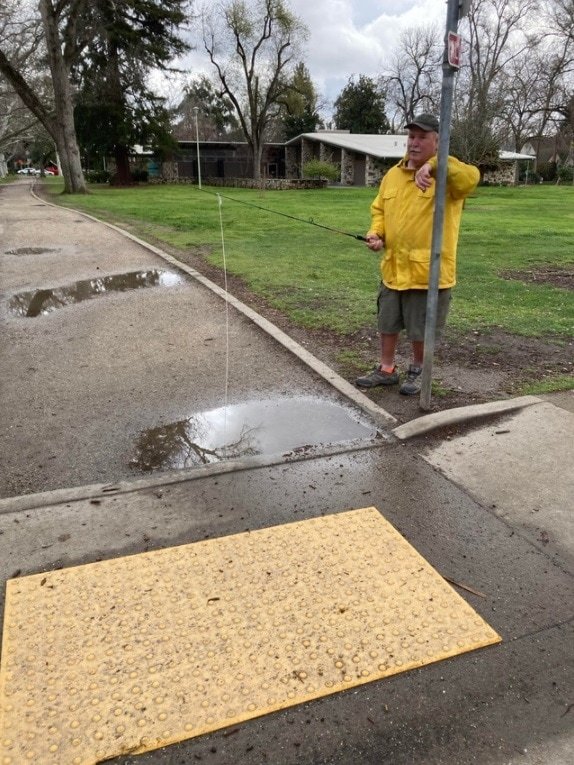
point(489, 507)
point(521, 467)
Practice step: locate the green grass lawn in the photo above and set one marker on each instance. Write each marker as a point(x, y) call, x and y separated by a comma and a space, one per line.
point(323, 279)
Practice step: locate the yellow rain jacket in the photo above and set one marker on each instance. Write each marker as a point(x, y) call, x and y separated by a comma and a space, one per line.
point(402, 215)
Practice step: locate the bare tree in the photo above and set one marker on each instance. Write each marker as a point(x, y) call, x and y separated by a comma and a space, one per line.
point(20, 35)
point(538, 81)
point(253, 45)
point(19, 128)
point(562, 22)
point(525, 94)
point(59, 22)
point(411, 80)
point(498, 36)
point(16, 122)
point(517, 81)
point(559, 70)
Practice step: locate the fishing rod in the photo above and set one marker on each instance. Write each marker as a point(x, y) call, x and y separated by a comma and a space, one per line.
point(310, 221)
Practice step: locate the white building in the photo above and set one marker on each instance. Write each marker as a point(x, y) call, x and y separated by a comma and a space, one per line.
point(363, 158)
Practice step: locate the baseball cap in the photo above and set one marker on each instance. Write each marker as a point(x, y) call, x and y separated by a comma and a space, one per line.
point(425, 122)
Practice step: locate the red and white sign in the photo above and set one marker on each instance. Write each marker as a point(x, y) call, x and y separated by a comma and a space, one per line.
point(454, 46)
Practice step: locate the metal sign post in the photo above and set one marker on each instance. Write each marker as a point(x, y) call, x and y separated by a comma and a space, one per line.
point(451, 61)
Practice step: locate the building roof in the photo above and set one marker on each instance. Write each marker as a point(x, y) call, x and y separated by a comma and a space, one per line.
point(380, 146)
point(512, 155)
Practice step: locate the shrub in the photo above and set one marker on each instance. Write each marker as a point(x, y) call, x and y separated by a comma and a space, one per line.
point(97, 176)
point(565, 173)
point(315, 168)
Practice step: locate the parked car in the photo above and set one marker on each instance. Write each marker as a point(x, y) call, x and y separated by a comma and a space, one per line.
point(29, 171)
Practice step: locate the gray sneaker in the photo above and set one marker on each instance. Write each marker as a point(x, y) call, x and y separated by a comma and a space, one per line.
point(412, 384)
point(378, 377)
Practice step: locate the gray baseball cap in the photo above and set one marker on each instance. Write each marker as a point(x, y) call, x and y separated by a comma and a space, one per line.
point(426, 122)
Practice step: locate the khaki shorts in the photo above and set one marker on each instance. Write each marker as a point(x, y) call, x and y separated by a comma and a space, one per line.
point(406, 309)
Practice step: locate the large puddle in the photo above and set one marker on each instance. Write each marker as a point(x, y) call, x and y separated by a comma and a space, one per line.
point(274, 426)
point(44, 301)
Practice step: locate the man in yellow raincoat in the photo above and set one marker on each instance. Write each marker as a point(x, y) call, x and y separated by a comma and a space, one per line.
point(401, 225)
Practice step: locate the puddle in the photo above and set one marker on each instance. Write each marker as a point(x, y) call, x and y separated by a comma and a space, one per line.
point(273, 426)
point(39, 302)
point(29, 251)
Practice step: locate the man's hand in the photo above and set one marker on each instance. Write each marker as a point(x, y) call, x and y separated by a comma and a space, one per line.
point(374, 242)
point(423, 177)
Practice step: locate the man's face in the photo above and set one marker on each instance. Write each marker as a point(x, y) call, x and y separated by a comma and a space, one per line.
point(421, 146)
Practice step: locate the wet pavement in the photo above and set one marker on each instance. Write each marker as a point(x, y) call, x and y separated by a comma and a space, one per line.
point(126, 356)
point(88, 386)
point(509, 703)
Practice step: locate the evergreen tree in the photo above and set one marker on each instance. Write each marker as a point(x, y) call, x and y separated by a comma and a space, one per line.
point(116, 109)
point(215, 117)
point(299, 105)
point(360, 107)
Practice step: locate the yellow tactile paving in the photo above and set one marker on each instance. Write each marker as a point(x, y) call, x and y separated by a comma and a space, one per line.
point(130, 654)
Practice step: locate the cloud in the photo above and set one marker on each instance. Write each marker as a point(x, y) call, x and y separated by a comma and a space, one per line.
point(352, 37)
point(347, 37)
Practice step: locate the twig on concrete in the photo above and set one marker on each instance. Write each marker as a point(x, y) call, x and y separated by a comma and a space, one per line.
point(464, 587)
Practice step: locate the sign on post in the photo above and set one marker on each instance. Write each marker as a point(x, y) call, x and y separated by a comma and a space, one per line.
point(454, 46)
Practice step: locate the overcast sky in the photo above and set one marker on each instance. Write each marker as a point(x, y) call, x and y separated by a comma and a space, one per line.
point(347, 37)
point(355, 36)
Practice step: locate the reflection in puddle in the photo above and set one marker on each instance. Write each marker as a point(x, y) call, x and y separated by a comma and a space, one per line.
point(44, 301)
point(29, 251)
point(259, 427)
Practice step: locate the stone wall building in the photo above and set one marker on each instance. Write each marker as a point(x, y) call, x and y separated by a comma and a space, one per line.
point(506, 174)
point(361, 159)
point(225, 159)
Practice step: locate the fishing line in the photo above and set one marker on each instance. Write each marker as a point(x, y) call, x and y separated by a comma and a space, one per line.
point(220, 205)
point(310, 221)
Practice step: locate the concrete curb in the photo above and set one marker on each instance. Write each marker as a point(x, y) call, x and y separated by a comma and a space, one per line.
point(460, 414)
point(378, 414)
point(44, 499)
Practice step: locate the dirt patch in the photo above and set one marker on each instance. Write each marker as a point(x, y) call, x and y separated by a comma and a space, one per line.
point(556, 276)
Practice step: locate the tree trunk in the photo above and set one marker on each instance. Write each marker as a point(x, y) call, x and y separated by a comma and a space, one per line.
point(63, 128)
point(256, 152)
point(123, 172)
point(115, 96)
